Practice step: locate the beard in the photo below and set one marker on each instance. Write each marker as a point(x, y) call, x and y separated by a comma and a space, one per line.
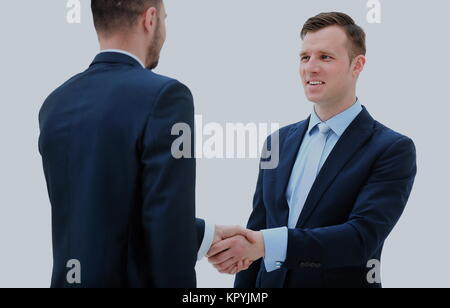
point(154, 50)
point(153, 64)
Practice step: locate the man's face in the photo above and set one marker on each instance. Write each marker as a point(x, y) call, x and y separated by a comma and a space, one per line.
point(158, 39)
point(325, 66)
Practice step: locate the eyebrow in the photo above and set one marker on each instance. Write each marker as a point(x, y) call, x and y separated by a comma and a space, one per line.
point(304, 53)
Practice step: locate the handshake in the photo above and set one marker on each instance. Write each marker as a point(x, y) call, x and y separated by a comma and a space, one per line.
point(234, 249)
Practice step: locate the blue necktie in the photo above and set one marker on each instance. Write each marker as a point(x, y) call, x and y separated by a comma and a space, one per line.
point(302, 189)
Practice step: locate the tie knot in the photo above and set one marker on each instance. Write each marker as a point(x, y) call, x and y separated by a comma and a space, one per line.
point(324, 129)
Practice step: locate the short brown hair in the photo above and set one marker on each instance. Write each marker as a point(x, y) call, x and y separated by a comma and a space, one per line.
point(111, 15)
point(355, 33)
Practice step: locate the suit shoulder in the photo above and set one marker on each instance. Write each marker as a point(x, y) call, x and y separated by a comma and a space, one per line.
point(67, 83)
point(60, 90)
point(147, 75)
point(390, 138)
point(389, 135)
point(160, 82)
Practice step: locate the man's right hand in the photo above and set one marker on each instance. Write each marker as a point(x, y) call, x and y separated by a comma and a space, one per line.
point(226, 232)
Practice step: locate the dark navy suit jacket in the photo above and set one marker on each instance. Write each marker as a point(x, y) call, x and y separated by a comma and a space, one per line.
point(121, 204)
point(355, 202)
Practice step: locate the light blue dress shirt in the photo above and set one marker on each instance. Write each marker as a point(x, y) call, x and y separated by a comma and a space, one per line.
point(276, 240)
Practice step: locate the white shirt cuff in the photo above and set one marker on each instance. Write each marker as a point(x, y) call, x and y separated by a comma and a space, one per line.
point(208, 238)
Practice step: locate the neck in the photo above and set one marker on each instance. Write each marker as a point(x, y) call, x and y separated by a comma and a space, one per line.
point(126, 44)
point(326, 111)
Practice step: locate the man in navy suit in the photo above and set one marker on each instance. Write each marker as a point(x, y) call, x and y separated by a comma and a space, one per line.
point(123, 208)
point(321, 217)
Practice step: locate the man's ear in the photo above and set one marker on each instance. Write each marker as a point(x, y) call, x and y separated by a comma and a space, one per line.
point(358, 65)
point(150, 19)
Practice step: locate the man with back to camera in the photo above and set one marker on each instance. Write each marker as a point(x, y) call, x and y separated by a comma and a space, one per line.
point(342, 183)
point(122, 205)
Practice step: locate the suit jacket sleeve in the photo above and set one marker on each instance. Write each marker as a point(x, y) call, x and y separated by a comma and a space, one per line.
point(378, 207)
point(200, 225)
point(168, 188)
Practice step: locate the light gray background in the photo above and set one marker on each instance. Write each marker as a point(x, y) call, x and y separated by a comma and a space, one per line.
point(240, 59)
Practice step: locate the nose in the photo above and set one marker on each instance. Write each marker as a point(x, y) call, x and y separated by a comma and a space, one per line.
point(312, 67)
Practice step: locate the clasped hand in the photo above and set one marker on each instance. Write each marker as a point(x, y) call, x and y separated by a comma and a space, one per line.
point(234, 249)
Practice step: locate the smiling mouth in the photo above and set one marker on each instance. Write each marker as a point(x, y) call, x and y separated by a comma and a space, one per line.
point(315, 83)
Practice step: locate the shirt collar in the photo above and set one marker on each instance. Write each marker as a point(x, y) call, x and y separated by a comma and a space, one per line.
point(125, 53)
point(338, 123)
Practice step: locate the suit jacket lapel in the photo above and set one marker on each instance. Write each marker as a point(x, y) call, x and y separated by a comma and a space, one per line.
point(356, 135)
point(288, 155)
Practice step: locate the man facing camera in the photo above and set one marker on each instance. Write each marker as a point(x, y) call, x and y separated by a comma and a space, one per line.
point(342, 183)
point(123, 208)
